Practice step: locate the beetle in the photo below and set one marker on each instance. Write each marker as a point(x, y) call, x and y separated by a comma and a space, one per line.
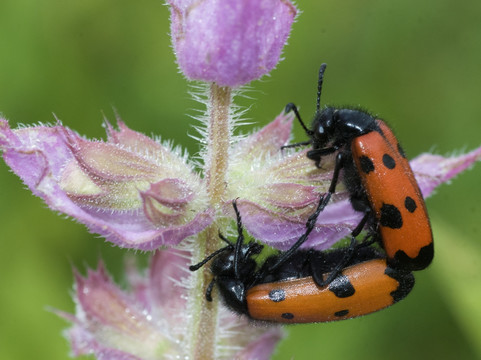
point(288, 290)
point(378, 177)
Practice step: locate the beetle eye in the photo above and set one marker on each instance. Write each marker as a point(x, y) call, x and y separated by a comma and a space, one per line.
point(320, 129)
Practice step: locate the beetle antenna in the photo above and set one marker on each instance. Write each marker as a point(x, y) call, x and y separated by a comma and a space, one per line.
point(319, 87)
point(291, 107)
point(240, 239)
point(208, 292)
point(224, 239)
point(208, 258)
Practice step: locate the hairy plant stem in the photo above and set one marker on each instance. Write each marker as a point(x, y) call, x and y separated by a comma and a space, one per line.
point(205, 316)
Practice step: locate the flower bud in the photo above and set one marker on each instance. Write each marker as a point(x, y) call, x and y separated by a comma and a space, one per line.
point(229, 42)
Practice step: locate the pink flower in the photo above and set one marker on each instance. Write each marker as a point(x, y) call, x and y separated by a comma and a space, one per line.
point(132, 190)
point(229, 42)
point(151, 320)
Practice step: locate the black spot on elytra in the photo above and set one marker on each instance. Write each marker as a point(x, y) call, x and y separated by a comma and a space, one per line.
point(388, 161)
point(391, 217)
point(342, 287)
point(402, 261)
point(405, 283)
point(341, 313)
point(277, 295)
point(401, 150)
point(410, 204)
point(366, 164)
point(288, 316)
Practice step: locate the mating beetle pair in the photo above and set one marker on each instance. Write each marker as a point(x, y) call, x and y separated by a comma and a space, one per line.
point(299, 286)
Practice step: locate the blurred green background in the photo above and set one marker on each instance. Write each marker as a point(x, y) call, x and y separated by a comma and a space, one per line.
point(416, 63)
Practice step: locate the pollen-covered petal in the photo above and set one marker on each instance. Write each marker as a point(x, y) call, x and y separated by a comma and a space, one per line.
point(133, 191)
point(229, 42)
point(433, 170)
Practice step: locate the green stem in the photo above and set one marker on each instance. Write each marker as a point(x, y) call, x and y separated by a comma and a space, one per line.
point(205, 314)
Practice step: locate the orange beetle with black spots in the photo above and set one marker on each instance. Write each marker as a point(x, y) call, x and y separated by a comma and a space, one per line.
point(293, 289)
point(378, 177)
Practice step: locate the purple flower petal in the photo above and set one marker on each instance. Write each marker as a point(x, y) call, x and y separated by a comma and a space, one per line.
point(84, 343)
point(243, 339)
point(168, 269)
point(132, 190)
point(268, 140)
point(263, 348)
point(229, 42)
point(433, 170)
point(282, 231)
point(104, 304)
point(152, 320)
point(113, 318)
